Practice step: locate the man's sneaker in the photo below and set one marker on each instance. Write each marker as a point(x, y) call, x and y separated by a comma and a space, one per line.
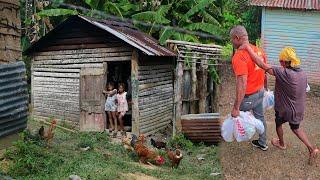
point(256, 144)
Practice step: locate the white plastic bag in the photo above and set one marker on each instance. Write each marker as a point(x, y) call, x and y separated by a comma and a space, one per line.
point(227, 129)
point(308, 88)
point(249, 118)
point(241, 128)
point(268, 100)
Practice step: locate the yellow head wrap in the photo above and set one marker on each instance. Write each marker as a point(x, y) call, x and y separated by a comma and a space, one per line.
point(289, 54)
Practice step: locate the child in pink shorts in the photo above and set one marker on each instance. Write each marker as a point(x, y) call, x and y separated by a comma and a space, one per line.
point(122, 105)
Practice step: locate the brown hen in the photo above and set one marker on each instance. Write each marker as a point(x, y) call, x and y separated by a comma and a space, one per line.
point(175, 157)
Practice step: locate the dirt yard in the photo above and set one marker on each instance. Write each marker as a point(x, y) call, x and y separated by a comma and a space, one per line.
point(242, 161)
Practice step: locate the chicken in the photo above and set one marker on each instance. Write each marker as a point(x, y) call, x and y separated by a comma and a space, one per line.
point(175, 157)
point(145, 154)
point(126, 142)
point(48, 134)
point(158, 144)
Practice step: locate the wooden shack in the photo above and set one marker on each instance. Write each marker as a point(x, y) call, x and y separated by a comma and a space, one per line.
point(72, 64)
point(196, 77)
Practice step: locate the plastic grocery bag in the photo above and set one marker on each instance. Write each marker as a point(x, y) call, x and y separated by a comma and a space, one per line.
point(308, 88)
point(241, 128)
point(248, 116)
point(268, 100)
point(227, 129)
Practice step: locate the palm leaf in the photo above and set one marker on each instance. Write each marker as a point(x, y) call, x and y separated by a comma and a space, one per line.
point(147, 16)
point(209, 18)
point(205, 27)
point(56, 12)
point(165, 35)
point(113, 8)
point(163, 10)
point(161, 13)
point(190, 38)
point(200, 6)
point(92, 3)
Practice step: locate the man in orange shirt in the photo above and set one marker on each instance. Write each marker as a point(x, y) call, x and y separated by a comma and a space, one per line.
point(249, 82)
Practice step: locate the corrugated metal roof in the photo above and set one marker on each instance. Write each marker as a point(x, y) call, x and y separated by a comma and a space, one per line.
point(14, 98)
point(288, 4)
point(123, 31)
point(132, 36)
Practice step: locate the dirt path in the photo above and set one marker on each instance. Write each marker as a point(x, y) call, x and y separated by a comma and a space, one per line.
point(242, 161)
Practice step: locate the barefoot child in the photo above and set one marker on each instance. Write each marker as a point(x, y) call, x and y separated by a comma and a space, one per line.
point(122, 105)
point(290, 96)
point(110, 105)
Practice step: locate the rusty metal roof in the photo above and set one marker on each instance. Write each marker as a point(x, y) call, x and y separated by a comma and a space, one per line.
point(288, 4)
point(124, 31)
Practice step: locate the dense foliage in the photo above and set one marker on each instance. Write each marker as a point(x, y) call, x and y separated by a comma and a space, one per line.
point(214, 17)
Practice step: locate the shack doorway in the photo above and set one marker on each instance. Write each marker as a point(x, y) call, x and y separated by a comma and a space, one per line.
point(120, 72)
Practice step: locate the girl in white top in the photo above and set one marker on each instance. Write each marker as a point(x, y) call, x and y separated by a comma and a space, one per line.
point(111, 106)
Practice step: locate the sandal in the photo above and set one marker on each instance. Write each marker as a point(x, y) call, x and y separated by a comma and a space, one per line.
point(114, 134)
point(276, 143)
point(110, 130)
point(123, 133)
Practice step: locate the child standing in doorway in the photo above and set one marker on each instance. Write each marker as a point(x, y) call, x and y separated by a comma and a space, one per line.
point(111, 106)
point(122, 106)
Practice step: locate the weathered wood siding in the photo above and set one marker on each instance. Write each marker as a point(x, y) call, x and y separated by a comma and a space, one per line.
point(55, 78)
point(155, 96)
point(10, 30)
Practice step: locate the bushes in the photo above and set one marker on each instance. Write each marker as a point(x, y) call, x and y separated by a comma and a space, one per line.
point(180, 141)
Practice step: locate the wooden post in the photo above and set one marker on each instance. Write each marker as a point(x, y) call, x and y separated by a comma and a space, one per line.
point(103, 98)
point(193, 105)
point(203, 88)
point(32, 88)
point(135, 92)
point(178, 97)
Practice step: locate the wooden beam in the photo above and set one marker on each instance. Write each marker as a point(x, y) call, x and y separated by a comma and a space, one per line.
point(145, 86)
point(178, 98)
point(83, 56)
point(203, 86)
point(193, 104)
point(86, 60)
point(135, 91)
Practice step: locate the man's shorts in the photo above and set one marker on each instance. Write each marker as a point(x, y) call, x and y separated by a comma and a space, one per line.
point(279, 121)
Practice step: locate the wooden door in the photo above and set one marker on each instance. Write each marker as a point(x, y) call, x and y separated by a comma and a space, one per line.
point(92, 83)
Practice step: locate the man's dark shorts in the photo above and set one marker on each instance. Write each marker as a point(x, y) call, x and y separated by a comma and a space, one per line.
point(279, 121)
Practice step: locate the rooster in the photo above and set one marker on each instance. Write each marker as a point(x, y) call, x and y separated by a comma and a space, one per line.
point(158, 144)
point(48, 134)
point(175, 157)
point(145, 154)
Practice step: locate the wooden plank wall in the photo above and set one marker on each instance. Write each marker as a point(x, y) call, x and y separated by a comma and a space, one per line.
point(155, 97)
point(55, 78)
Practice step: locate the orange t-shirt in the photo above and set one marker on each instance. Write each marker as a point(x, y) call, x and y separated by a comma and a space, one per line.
point(243, 65)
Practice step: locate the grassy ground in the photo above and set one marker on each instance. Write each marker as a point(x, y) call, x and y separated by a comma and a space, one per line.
point(33, 160)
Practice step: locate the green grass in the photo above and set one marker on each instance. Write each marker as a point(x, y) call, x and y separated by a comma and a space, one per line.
point(32, 159)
